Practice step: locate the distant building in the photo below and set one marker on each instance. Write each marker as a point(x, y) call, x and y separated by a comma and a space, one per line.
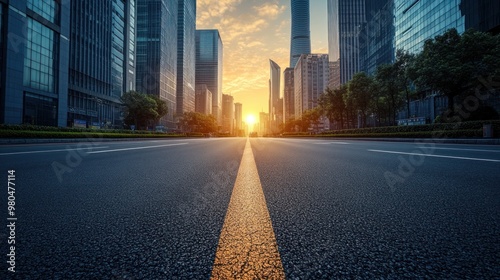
point(238, 117)
point(157, 53)
point(300, 42)
point(263, 128)
point(288, 95)
point(209, 62)
point(186, 56)
point(275, 109)
point(334, 80)
point(311, 77)
point(345, 19)
point(203, 100)
point(101, 64)
point(34, 57)
point(227, 114)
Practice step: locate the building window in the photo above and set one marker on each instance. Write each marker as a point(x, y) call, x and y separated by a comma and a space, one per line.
point(48, 9)
point(39, 110)
point(39, 62)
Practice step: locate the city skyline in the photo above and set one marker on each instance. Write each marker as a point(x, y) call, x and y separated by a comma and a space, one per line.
point(260, 35)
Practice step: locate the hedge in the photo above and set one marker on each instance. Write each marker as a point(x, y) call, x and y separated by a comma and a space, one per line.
point(93, 134)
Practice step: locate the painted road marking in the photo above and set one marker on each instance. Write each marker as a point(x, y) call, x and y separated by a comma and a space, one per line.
point(51, 151)
point(335, 142)
point(458, 149)
point(439, 156)
point(135, 148)
point(247, 246)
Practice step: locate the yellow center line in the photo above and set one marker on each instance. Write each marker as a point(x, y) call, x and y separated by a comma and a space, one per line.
point(247, 246)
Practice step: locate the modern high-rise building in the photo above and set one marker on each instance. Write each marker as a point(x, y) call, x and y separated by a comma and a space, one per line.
point(311, 79)
point(156, 56)
point(227, 114)
point(203, 100)
point(482, 15)
point(345, 20)
point(377, 36)
point(238, 117)
point(101, 64)
point(275, 111)
point(186, 56)
point(263, 127)
point(34, 59)
point(209, 59)
point(300, 42)
point(288, 95)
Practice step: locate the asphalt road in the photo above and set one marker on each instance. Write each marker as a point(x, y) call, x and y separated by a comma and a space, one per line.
point(338, 209)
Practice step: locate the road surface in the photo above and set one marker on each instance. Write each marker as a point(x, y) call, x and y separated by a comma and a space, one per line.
point(254, 208)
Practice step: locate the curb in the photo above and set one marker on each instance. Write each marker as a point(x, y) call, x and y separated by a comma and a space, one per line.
point(74, 140)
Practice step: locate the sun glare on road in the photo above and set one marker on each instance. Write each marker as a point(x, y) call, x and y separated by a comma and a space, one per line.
point(250, 119)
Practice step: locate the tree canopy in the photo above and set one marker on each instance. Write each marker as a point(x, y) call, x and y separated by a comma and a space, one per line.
point(143, 109)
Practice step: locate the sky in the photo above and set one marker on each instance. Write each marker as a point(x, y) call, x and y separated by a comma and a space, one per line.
point(252, 32)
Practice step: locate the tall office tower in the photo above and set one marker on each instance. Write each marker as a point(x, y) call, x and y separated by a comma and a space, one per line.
point(311, 79)
point(288, 95)
point(203, 100)
point(157, 52)
point(376, 38)
point(101, 64)
point(345, 19)
point(300, 42)
point(34, 55)
point(263, 128)
point(227, 114)
point(238, 117)
point(482, 15)
point(209, 59)
point(274, 95)
point(186, 56)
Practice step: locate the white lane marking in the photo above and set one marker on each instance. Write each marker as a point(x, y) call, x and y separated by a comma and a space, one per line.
point(135, 148)
point(335, 142)
point(438, 156)
point(50, 151)
point(457, 149)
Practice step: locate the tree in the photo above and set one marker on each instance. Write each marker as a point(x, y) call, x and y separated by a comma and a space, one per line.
point(197, 122)
point(452, 63)
point(360, 93)
point(142, 108)
point(311, 117)
point(332, 105)
point(390, 85)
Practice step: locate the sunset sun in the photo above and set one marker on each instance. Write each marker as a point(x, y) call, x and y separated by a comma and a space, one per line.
point(250, 119)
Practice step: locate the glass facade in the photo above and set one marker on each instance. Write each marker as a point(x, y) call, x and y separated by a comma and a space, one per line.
point(186, 56)
point(39, 110)
point(48, 9)
point(377, 36)
point(345, 19)
point(157, 52)
point(40, 60)
point(98, 61)
point(419, 20)
point(300, 42)
point(209, 58)
point(288, 95)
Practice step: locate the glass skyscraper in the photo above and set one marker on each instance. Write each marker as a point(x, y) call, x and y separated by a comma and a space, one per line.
point(34, 56)
point(101, 64)
point(275, 110)
point(345, 19)
point(300, 42)
point(156, 55)
point(186, 56)
point(288, 95)
point(209, 59)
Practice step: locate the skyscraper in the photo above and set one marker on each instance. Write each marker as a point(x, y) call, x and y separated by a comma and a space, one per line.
point(101, 64)
point(186, 56)
point(209, 55)
point(157, 52)
point(274, 95)
point(238, 117)
point(300, 42)
point(228, 114)
point(311, 79)
point(203, 100)
point(34, 54)
point(288, 95)
point(345, 19)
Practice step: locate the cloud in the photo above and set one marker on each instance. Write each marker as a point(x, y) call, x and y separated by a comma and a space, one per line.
point(269, 10)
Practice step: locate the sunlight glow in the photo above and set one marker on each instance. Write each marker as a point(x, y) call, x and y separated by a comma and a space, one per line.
point(250, 119)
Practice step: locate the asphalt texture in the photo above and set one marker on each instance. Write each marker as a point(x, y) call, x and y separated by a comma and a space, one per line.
point(339, 209)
